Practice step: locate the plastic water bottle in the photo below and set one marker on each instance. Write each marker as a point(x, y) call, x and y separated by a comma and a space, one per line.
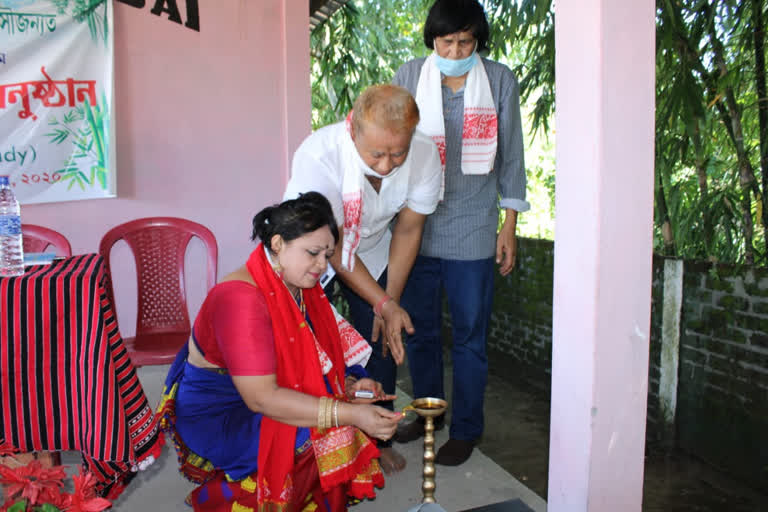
point(11, 247)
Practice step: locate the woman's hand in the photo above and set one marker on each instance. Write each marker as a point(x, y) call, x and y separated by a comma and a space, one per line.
point(367, 384)
point(377, 421)
point(391, 324)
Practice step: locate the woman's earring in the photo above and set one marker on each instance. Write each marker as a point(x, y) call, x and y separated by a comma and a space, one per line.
point(277, 268)
point(277, 245)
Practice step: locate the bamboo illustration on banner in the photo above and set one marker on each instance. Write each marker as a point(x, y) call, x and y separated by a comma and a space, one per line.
point(92, 12)
point(91, 141)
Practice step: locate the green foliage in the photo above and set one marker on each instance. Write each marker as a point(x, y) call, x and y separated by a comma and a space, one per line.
point(339, 301)
point(362, 44)
point(532, 25)
point(540, 164)
point(19, 506)
point(23, 506)
point(707, 132)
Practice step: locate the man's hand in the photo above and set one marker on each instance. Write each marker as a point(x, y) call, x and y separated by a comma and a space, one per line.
point(506, 251)
point(378, 329)
point(391, 324)
point(506, 243)
point(378, 332)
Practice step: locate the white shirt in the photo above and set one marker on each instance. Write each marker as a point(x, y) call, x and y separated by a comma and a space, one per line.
point(317, 166)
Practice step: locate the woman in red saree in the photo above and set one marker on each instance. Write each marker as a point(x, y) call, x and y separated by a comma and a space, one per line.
point(261, 402)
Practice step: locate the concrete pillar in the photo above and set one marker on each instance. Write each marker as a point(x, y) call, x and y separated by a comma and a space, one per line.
point(603, 246)
point(670, 347)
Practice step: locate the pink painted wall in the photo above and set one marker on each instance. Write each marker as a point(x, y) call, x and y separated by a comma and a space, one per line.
point(206, 124)
point(604, 210)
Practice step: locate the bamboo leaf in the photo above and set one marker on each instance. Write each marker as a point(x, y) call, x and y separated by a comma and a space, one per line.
point(58, 136)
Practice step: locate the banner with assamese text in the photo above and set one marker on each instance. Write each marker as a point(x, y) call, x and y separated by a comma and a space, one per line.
point(56, 90)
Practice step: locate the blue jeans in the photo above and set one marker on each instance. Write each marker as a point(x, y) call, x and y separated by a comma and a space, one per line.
point(468, 286)
point(379, 368)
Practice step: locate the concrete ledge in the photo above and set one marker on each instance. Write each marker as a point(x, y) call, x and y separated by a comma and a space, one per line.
point(506, 506)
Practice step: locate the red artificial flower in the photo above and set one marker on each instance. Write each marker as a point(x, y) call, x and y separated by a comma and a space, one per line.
point(60, 501)
point(33, 482)
point(84, 498)
point(7, 448)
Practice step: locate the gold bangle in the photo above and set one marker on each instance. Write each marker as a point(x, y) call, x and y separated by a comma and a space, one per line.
point(323, 423)
point(336, 413)
point(321, 413)
point(329, 412)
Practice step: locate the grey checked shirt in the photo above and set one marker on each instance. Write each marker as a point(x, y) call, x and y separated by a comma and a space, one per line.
point(464, 225)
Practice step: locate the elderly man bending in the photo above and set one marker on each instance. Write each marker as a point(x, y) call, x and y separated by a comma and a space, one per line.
point(373, 168)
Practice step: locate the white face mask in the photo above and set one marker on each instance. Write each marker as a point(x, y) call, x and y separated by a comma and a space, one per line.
point(370, 172)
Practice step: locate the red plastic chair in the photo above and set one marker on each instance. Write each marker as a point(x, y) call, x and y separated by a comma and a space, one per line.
point(159, 245)
point(38, 238)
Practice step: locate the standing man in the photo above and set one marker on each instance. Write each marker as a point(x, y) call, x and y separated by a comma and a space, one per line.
point(375, 168)
point(470, 106)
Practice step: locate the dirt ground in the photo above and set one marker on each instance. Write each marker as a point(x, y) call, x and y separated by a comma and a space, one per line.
point(517, 438)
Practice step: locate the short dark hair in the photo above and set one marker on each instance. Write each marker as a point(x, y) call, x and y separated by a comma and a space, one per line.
point(451, 16)
point(294, 218)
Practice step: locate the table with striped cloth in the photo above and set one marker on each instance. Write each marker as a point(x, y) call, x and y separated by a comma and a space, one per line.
point(66, 382)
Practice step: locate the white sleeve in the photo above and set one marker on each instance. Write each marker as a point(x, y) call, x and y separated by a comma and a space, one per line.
point(310, 174)
point(426, 178)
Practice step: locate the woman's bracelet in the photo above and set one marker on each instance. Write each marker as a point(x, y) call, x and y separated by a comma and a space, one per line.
point(336, 413)
point(321, 413)
point(327, 413)
point(380, 305)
